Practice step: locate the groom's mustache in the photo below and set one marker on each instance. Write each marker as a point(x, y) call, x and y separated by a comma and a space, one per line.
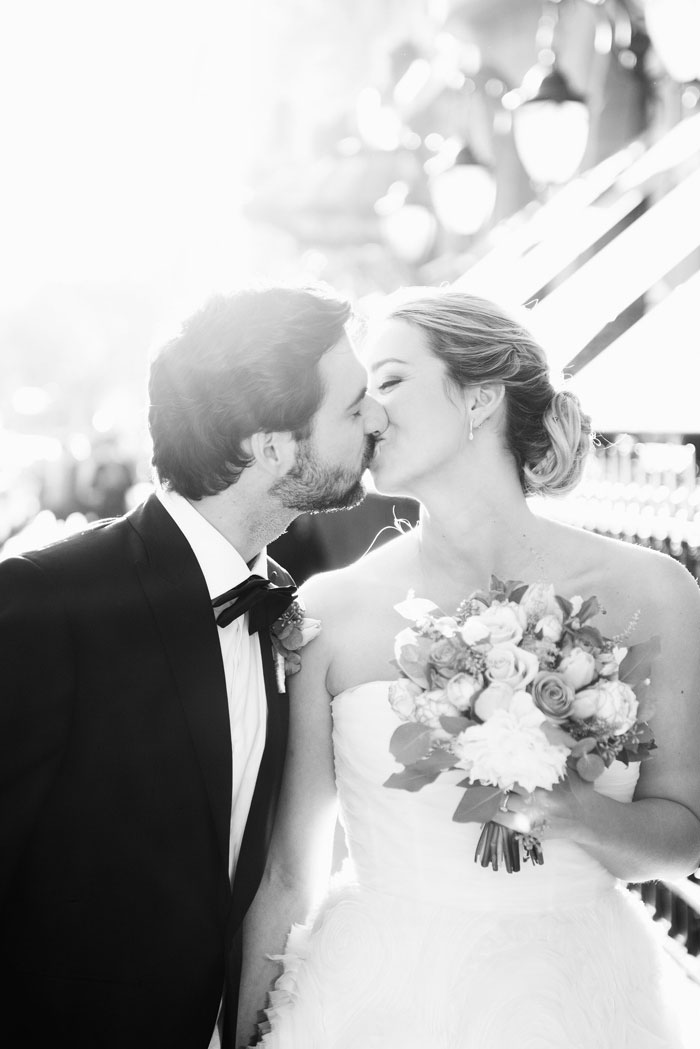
point(370, 446)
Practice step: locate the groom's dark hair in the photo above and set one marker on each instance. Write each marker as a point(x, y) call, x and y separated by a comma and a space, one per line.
point(245, 363)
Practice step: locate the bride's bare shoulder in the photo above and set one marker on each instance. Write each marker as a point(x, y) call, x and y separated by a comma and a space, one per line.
point(627, 576)
point(370, 582)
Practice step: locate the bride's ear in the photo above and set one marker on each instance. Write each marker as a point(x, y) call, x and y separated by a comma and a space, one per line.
point(274, 452)
point(485, 400)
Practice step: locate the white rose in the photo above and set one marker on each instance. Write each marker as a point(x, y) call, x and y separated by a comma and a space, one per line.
point(431, 706)
point(446, 625)
point(505, 622)
point(402, 697)
point(496, 697)
point(577, 668)
point(512, 665)
point(539, 601)
point(474, 631)
point(460, 690)
point(523, 706)
point(612, 702)
point(550, 627)
point(511, 748)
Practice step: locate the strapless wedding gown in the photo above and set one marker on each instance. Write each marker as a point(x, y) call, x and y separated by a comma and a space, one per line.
point(425, 949)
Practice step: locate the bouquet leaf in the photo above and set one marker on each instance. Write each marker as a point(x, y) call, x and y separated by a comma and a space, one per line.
point(565, 605)
point(412, 778)
point(589, 636)
point(515, 590)
point(557, 735)
point(478, 804)
point(411, 742)
point(627, 755)
point(455, 725)
point(590, 607)
point(438, 759)
point(422, 772)
point(484, 596)
point(636, 666)
point(497, 586)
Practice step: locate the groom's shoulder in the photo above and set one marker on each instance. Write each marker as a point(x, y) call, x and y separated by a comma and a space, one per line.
point(86, 554)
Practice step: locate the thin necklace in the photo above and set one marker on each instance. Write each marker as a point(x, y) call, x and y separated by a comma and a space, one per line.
point(537, 558)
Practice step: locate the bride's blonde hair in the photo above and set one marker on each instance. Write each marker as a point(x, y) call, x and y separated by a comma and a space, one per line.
point(547, 431)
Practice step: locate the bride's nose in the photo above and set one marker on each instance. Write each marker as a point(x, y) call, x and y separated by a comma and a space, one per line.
point(376, 419)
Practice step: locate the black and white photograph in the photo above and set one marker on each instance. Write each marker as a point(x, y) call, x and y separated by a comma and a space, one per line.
point(350, 524)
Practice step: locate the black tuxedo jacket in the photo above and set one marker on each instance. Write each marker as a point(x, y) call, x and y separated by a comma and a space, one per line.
point(118, 926)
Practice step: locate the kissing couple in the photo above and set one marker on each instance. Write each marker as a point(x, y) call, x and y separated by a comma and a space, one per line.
point(157, 846)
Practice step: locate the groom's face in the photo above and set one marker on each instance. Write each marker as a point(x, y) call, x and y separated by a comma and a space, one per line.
point(330, 462)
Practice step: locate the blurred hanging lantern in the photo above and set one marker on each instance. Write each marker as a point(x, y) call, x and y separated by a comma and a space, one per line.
point(407, 225)
point(550, 126)
point(463, 191)
point(674, 30)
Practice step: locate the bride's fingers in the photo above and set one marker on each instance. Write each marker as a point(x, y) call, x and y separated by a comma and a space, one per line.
point(517, 821)
point(525, 813)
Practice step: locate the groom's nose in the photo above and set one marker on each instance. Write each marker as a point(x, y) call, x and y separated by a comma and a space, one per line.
point(376, 419)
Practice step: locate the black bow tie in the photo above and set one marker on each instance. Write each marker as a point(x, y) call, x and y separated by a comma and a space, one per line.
point(265, 602)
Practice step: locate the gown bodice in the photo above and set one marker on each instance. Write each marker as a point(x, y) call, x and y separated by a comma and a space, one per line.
point(406, 844)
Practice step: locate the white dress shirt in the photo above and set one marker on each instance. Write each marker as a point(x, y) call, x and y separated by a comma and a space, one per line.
point(223, 568)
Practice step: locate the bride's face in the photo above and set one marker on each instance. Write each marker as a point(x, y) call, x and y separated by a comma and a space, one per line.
point(428, 423)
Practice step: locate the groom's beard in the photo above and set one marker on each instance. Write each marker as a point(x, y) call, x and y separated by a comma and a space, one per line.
point(312, 486)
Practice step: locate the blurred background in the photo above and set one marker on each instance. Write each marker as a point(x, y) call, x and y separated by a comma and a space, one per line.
point(545, 154)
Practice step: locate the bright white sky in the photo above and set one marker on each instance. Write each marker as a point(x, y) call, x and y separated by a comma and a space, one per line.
point(125, 130)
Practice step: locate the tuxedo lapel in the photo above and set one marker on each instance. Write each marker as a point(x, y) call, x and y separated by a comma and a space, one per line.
point(175, 588)
point(258, 830)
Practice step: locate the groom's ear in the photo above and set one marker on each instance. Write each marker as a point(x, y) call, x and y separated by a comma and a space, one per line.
point(274, 452)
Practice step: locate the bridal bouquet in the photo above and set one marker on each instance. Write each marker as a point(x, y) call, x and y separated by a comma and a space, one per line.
point(516, 688)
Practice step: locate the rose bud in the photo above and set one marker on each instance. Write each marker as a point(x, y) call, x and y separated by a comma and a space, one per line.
point(552, 695)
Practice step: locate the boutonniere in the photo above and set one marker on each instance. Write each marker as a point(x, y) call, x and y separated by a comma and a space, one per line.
point(289, 634)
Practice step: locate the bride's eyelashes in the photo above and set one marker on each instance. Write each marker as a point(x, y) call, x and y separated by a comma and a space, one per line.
point(387, 384)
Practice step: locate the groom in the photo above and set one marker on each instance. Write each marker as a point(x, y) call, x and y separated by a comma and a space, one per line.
point(141, 742)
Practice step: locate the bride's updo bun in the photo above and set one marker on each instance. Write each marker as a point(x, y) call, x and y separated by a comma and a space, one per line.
point(547, 432)
point(566, 443)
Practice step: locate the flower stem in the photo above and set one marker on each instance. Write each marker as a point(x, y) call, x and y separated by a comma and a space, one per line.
point(500, 845)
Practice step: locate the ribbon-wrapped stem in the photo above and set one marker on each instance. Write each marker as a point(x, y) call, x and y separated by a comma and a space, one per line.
point(500, 846)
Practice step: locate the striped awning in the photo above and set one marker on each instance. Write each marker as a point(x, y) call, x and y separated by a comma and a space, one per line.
point(608, 240)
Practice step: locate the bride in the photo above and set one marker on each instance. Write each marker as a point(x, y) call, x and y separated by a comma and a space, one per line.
point(422, 948)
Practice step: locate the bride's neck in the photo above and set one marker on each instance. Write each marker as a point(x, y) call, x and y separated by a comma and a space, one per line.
point(465, 541)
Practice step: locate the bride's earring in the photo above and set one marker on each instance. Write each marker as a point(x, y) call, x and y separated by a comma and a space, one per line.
point(471, 427)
